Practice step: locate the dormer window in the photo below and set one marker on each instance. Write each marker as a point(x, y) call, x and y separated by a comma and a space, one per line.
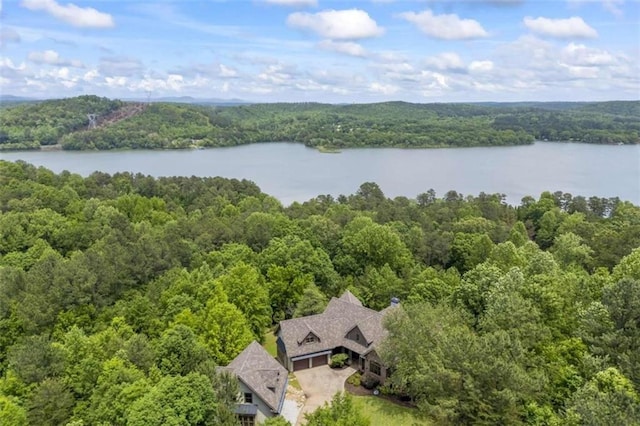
point(310, 339)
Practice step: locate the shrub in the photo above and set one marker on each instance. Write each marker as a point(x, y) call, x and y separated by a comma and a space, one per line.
point(370, 381)
point(386, 390)
point(354, 379)
point(338, 360)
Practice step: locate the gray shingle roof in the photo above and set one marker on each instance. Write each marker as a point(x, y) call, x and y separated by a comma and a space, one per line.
point(347, 296)
point(331, 327)
point(246, 409)
point(261, 373)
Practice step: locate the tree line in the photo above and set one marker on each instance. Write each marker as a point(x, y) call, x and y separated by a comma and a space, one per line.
point(391, 124)
point(121, 294)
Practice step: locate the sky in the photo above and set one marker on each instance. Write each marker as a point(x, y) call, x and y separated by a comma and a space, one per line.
point(323, 50)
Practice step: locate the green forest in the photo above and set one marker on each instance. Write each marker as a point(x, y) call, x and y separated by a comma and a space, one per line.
point(65, 124)
point(121, 294)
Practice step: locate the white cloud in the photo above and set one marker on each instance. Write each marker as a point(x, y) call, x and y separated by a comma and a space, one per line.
point(120, 66)
point(345, 47)
point(433, 81)
point(226, 72)
point(84, 17)
point(579, 54)
point(35, 83)
point(51, 57)
point(90, 75)
point(337, 24)
point(582, 72)
point(532, 66)
point(573, 27)
point(445, 61)
point(8, 35)
point(385, 89)
point(403, 68)
point(7, 63)
point(447, 27)
point(390, 56)
point(293, 3)
point(115, 82)
point(481, 66)
point(276, 74)
point(613, 6)
point(175, 81)
point(171, 82)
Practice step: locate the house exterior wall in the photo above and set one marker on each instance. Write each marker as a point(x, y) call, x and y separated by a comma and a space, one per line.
point(373, 356)
point(356, 335)
point(264, 412)
point(282, 355)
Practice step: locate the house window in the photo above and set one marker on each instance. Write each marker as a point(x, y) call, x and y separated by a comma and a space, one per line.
point(374, 367)
point(246, 420)
point(310, 339)
point(248, 397)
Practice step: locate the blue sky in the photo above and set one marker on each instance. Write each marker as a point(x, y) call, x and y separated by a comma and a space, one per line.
point(325, 51)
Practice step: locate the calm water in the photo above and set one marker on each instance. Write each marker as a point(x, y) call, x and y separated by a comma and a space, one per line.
point(292, 172)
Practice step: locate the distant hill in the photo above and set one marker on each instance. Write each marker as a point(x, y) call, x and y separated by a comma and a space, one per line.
point(192, 101)
point(11, 100)
point(186, 122)
point(559, 106)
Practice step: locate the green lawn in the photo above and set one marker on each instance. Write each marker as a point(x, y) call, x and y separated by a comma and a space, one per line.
point(385, 413)
point(270, 343)
point(293, 381)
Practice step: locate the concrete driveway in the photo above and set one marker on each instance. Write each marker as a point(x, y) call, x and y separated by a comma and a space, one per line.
point(319, 385)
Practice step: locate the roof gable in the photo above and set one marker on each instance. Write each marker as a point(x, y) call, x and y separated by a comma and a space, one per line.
point(312, 335)
point(261, 373)
point(357, 331)
point(348, 297)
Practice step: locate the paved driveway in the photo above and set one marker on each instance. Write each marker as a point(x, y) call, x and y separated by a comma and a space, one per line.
point(320, 384)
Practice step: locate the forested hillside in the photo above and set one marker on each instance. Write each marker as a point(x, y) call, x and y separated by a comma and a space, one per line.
point(398, 124)
point(119, 295)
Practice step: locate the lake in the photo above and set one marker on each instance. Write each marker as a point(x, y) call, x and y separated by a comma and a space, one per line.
point(293, 172)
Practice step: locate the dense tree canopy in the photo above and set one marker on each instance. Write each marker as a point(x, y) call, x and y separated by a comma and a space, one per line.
point(120, 294)
point(398, 124)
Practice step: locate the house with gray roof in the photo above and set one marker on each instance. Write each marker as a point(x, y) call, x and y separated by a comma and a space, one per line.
point(263, 384)
point(345, 326)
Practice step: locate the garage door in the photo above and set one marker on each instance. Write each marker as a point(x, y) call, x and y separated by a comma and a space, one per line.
point(300, 364)
point(319, 360)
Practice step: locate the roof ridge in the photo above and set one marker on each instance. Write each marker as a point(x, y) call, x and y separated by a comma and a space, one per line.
point(362, 307)
point(311, 329)
point(349, 297)
point(246, 357)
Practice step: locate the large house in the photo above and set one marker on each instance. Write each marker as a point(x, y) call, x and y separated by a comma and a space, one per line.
point(345, 326)
point(263, 384)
